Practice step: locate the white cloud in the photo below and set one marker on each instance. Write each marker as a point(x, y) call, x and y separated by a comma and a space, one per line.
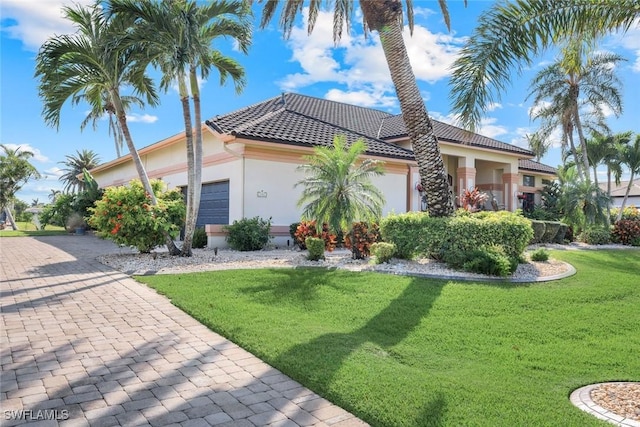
point(494, 106)
point(359, 63)
point(489, 128)
point(141, 118)
point(630, 41)
point(54, 172)
point(34, 21)
point(363, 98)
point(37, 154)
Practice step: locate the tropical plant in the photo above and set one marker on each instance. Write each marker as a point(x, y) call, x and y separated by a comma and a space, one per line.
point(74, 167)
point(584, 204)
point(605, 149)
point(337, 187)
point(386, 18)
point(92, 62)
point(177, 37)
point(630, 157)
point(15, 172)
point(126, 215)
point(539, 144)
point(571, 85)
point(510, 35)
point(248, 234)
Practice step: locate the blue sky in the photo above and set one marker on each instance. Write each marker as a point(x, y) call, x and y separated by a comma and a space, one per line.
point(355, 72)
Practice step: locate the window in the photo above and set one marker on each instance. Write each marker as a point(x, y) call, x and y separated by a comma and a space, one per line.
point(529, 180)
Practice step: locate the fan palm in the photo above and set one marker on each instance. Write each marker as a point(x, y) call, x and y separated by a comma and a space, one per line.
point(539, 144)
point(386, 18)
point(92, 62)
point(630, 157)
point(177, 37)
point(337, 191)
point(74, 166)
point(572, 84)
point(511, 34)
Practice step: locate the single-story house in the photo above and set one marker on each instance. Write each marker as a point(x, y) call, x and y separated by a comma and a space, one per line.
point(618, 192)
point(251, 155)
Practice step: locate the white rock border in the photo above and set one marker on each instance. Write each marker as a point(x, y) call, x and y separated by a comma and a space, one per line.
point(581, 398)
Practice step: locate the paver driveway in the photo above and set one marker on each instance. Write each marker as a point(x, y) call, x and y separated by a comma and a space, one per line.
point(88, 345)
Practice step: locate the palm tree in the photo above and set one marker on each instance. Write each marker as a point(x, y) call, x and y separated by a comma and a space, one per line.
point(106, 107)
point(604, 149)
point(15, 172)
point(572, 84)
point(337, 191)
point(511, 34)
point(386, 18)
point(92, 62)
point(539, 144)
point(582, 202)
point(75, 165)
point(177, 36)
point(54, 194)
point(630, 157)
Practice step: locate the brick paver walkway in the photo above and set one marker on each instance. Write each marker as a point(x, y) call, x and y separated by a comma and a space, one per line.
point(84, 342)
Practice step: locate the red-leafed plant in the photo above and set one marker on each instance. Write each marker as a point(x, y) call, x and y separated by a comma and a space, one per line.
point(472, 200)
point(626, 231)
point(308, 229)
point(360, 239)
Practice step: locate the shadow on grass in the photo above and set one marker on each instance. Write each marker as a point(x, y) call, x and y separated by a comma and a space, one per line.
point(316, 363)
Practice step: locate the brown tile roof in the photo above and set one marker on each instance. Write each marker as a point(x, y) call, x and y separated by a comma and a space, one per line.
point(531, 165)
point(620, 190)
point(304, 120)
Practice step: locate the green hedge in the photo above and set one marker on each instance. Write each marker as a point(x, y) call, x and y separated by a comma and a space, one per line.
point(414, 234)
point(538, 230)
point(550, 232)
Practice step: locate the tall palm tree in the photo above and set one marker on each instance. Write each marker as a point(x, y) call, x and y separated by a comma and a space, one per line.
point(178, 37)
point(603, 149)
point(572, 84)
point(386, 18)
point(630, 157)
point(337, 190)
point(15, 172)
point(85, 65)
point(75, 165)
point(510, 35)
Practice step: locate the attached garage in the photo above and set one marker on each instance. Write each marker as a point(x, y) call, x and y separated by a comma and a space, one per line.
point(214, 204)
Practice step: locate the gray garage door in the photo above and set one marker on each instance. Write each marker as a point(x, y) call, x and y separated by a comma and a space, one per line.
point(214, 204)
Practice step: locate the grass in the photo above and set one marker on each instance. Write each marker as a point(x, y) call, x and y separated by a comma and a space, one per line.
point(400, 351)
point(29, 229)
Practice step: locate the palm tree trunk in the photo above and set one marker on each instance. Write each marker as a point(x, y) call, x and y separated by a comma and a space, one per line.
point(626, 196)
point(196, 169)
point(572, 146)
point(142, 173)
point(188, 130)
point(582, 140)
point(190, 220)
point(386, 18)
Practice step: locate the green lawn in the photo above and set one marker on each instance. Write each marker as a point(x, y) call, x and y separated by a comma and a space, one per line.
point(400, 351)
point(29, 229)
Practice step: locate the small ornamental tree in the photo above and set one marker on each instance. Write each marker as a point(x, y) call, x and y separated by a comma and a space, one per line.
point(126, 215)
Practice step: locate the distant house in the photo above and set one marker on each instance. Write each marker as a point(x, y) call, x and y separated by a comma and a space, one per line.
point(618, 192)
point(251, 155)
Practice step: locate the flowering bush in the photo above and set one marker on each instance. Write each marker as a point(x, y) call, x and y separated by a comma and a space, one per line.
point(126, 216)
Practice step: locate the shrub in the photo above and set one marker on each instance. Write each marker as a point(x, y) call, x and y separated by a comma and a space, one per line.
point(292, 232)
point(58, 212)
point(550, 231)
point(360, 239)
point(626, 231)
point(490, 259)
point(596, 236)
point(540, 255)
point(315, 246)
point(248, 234)
point(308, 229)
point(538, 230)
point(511, 231)
point(473, 200)
point(629, 212)
point(562, 233)
point(382, 251)
point(125, 215)
point(199, 238)
point(414, 234)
